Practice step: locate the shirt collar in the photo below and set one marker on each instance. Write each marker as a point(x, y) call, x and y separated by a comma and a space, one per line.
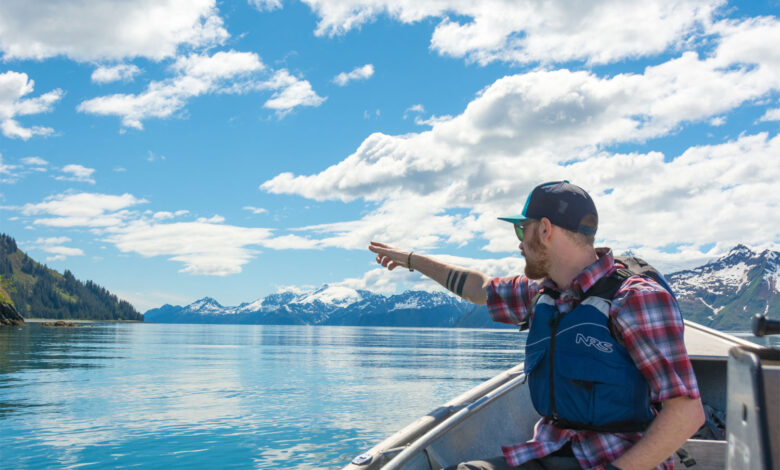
point(603, 266)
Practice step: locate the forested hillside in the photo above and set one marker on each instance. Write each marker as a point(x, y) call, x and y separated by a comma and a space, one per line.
point(40, 292)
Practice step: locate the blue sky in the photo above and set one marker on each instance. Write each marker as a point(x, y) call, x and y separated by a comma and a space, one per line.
point(170, 150)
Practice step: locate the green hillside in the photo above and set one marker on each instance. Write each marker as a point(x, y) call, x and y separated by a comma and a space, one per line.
point(39, 292)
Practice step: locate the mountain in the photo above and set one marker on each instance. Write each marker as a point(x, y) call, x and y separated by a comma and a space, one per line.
point(726, 293)
point(723, 294)
point(328, 305)
point(37, 291)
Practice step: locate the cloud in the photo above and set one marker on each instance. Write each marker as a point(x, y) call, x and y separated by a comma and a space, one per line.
point(358, 73)
point(255, 210)
point(77, 173)
point(13, 87)
point(266, 5)
point(35, 161)
point(83, 209)
point(416, 108)
point(448, 184)
point(86, 31)
point(228, 72)
point(205, 247)
point(533, 31)
point(771, 115)
point(55, 246)
point(124, 72)
point(290, 92)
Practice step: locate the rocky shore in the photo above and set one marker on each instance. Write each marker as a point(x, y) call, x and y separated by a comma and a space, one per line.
point(9, 315)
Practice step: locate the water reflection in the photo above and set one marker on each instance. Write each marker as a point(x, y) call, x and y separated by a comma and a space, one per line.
point(227, 396)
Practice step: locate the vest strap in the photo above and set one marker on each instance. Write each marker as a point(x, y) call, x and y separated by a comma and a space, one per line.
point(617, 427)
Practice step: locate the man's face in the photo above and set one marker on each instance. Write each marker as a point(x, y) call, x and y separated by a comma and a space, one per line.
point(537, 261)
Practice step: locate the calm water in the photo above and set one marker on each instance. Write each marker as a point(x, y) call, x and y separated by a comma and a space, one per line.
point(225, 396)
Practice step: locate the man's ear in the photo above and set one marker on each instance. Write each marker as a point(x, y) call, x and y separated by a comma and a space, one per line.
point(545, 229)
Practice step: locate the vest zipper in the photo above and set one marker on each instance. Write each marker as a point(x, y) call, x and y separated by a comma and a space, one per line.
point(553, 333)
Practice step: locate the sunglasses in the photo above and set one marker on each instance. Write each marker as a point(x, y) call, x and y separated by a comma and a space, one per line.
point(521, 228)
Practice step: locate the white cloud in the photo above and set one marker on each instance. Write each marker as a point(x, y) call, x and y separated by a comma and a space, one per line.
point(124, 72)
point(35, 161)
point(255, 210)
point(290, 92)
point(266, 5)
point(358, 73)
point(416, 108)
point(55, 246)
point(86, 30)
point(77, 173)
point(83, 209)
point(13, 87)
point(771, 115)
point(448, 184)
point(531, 30)
point(230, 72)
point(204, 247)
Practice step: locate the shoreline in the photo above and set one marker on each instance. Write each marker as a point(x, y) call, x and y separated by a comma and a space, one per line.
point(69, 320)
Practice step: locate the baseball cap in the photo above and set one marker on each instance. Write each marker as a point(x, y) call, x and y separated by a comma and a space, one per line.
point(565, 204)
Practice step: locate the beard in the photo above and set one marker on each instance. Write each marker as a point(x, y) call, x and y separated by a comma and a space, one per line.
point(537, 260)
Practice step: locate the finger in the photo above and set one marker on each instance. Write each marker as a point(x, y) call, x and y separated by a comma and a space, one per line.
point(380, 245)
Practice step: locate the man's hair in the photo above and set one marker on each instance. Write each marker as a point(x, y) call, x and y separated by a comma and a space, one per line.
point(582, 239)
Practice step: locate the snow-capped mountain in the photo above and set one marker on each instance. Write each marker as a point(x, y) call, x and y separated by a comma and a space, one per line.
point(727, 292)
point(328, 305)
point(724, 294)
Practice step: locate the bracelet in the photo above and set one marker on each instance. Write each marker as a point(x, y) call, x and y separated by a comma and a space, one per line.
point(409, 261)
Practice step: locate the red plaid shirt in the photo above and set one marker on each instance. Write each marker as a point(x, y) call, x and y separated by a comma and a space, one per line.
point(648, 323)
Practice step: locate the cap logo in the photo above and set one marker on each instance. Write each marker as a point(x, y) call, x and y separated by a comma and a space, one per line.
point(562, 205)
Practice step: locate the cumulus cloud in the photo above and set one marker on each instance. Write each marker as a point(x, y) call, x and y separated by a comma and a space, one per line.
point(124, 72)
point(771, 115)
point(82, 209)
point(86, 30)
point(13, 87)
point(448, 184)
point(205, 246)
point(230, 72)
point(531, 30)
point(255, 210)
point(56, 247)
point(358, 73)
point(35, 161)
point(290, 92)
point(77, 173)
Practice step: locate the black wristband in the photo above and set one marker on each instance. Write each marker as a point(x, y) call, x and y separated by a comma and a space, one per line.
point(612, 467)
point(409, 261)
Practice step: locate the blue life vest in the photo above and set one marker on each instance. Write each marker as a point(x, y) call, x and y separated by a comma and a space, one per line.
point(578, 374)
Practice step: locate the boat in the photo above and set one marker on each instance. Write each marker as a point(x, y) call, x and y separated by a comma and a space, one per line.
point(475, 424)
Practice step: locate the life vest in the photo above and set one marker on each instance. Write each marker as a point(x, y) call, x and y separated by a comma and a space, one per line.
point(579, 375)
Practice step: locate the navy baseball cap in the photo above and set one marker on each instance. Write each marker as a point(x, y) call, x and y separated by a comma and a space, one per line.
point(565, 204)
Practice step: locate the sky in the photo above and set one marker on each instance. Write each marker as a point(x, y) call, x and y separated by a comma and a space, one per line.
point(175, 149)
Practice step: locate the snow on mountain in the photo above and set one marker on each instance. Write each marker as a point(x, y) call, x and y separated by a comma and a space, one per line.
point(206, 305)
point(724, 293)
point(726, 275)
point(728, 291)
point(331, 295)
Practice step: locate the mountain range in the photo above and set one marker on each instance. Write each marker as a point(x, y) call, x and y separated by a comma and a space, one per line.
point(723, 294)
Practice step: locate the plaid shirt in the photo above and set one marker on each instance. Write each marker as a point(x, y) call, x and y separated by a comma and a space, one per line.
point(648, 324)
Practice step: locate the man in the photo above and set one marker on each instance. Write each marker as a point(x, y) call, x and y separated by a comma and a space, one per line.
point(620, 357)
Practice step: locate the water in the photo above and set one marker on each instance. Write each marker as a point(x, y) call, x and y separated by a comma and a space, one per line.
point(227, 396)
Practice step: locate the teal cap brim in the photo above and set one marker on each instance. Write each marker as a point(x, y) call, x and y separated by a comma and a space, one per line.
point(515, 219)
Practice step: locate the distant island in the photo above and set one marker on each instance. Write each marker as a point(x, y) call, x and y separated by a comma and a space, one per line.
point(37, 291)
point(723, 294)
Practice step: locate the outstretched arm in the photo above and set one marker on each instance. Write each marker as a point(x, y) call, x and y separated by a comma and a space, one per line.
point(466, 283)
